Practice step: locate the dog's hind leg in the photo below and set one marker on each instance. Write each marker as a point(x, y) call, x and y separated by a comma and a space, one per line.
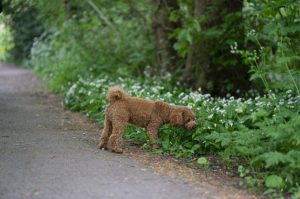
point(105, 134)
point(115, 138)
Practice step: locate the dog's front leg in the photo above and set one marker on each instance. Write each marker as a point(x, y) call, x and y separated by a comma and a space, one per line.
point(152, 130)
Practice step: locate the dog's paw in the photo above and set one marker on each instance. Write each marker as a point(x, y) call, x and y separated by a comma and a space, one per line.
point(117, 150)
point(102, 146)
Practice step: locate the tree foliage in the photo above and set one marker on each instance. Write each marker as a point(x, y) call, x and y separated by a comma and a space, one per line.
point(24, 26)
point(220, 46)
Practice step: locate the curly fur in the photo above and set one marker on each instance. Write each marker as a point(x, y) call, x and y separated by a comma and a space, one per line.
point(123, 109)
point(115, 93)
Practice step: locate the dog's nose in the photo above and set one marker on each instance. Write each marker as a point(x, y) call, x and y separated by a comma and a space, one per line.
point(195, 125)
point(192, 125)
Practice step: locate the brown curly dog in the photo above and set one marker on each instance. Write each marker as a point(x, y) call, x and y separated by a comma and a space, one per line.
point(123, 109)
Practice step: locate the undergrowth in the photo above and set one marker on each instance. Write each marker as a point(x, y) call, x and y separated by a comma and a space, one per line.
point(262, 132)
point(258, 134)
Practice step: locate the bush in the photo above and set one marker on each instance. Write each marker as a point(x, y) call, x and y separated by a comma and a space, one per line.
point(24, 25)
point(6, 43)
point(87, 47)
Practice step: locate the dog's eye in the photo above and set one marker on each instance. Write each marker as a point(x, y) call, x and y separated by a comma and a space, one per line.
point(188, 120)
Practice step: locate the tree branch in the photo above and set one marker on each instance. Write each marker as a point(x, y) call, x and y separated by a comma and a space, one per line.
point(100, 13)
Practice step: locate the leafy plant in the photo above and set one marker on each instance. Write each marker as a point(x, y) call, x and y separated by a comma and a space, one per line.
point(6, 39)
point(203, 162)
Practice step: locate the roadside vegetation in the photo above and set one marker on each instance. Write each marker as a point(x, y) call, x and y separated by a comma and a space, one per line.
point(236, 63)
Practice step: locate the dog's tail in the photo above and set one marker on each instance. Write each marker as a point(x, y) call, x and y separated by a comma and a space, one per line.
point(116, 93)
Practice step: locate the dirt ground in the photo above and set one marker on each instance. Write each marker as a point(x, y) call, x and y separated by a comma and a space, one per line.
point(49, 152)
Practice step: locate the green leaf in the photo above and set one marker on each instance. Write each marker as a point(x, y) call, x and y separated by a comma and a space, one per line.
point(274, 181)
point(185, 35)
point(290, 29)
point(274, 158)
point(270, 28)
point(202, 161)
point(165, 142)
point(174, 16)
point(296, 193)
point(196, 147)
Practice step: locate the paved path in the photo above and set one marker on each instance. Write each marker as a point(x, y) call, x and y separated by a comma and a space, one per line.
point(44, 154)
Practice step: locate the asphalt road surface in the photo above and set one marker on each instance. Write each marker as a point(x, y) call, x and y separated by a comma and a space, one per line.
point(41, 158)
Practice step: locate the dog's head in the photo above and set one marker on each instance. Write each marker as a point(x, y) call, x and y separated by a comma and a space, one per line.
point(183, 117)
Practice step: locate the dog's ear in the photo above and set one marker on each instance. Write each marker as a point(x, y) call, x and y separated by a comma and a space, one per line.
point(176, 118)
point(186, 115)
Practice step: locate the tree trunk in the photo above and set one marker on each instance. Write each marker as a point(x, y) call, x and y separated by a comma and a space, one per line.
point(203, 63)
point(162, 27)
point(197, 58)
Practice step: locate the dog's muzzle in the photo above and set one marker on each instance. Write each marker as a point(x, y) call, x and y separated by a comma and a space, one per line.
point(190, 125)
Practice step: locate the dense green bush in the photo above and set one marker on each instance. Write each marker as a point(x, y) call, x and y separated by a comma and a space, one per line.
point(72, 51)
point(24, 27)
point(271, 46)
point(6, 39)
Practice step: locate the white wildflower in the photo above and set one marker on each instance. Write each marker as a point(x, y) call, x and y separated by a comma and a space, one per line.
point(222, 112)
point(239, 109)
